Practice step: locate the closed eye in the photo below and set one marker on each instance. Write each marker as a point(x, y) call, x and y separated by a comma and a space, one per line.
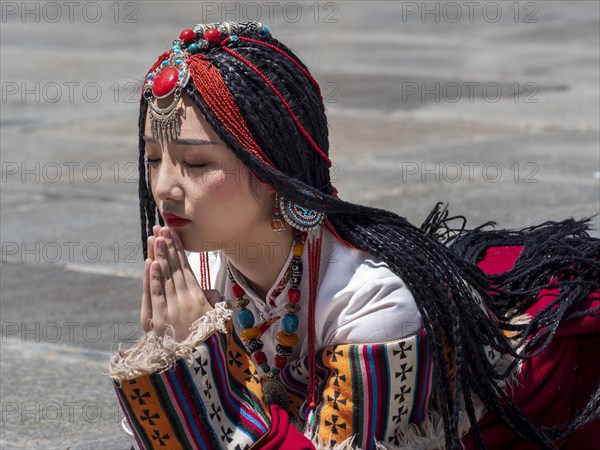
point(152, 161)
point(194, 166)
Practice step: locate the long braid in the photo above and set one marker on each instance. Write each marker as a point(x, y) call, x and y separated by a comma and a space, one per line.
point(450, 291)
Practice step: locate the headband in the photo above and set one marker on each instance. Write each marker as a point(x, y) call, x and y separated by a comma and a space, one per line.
point(173, 70)
point(172, 74)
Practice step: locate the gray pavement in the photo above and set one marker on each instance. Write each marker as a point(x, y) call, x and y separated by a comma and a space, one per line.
point(497, 115)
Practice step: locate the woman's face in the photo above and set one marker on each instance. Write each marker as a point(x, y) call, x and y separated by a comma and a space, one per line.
point(199, 179)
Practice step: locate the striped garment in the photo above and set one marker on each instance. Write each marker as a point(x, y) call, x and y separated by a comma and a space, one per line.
point(369, 392)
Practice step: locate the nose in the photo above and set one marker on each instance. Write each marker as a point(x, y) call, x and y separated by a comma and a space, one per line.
point(167, 181)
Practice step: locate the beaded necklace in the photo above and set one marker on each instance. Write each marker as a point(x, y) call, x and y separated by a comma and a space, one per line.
point(273, 391)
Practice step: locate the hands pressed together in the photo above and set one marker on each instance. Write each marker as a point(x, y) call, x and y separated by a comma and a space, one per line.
point(172, 298)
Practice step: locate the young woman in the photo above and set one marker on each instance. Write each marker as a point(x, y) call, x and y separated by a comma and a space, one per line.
point(300, 320)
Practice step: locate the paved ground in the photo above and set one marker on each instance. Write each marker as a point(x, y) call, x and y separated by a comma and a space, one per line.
point(497, 115)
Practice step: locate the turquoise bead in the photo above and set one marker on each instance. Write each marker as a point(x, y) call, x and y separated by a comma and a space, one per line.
point(246, 318)
point(289, 324)
point(265, 368)
point(264, 31)
point(175, 48)
point(193, 48)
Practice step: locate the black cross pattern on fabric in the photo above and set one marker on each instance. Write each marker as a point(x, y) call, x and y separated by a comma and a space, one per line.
point(148, 417)
point(161, 439)
point(226, 434)
point(208, 387)
point(140, 397)
point(334, 424)
point(402, 350)
point(402, 411)
point(252, 375)
point(201, 366)
point(404, 390)
point(335, 354)
point(337, 377)
point(336, 399)
point(234, 358)
point(403, 371)
point(215, 412)
point(298, 369)
point(395, 439)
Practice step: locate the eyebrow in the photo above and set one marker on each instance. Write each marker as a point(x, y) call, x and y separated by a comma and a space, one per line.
point(183, 141)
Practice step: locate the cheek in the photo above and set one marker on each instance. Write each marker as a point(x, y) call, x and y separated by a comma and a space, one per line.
point(226, 191)
point(232, 190)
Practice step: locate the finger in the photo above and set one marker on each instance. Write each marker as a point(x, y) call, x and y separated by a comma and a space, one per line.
point(173, 260)
point(188, 273)
point(146, 310)
point(156, 230)
point(213, 296)
point(160, 253)
point(151, 240)
point(157, 294)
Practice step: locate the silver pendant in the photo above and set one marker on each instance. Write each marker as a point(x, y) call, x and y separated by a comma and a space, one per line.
point(275, 394)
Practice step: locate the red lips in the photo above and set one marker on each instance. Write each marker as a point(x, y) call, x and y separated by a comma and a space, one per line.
point(175, 221)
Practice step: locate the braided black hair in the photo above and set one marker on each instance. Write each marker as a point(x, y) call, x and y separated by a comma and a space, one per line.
point(446, 284)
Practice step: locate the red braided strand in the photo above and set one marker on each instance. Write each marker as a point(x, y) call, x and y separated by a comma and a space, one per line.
point(215, 93)
point(281, 52)
point(314, 261)
point(285, 103)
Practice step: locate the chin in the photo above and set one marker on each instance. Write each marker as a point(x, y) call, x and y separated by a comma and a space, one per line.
point(196, 245)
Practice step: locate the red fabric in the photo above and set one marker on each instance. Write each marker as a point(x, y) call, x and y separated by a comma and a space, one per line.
point(283, 435)
point(556, 384)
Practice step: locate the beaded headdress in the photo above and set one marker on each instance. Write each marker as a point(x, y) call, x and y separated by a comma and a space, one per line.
point(172, 74)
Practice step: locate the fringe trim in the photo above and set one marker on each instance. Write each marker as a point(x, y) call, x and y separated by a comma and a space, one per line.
point(430, 435)
point(153, 353)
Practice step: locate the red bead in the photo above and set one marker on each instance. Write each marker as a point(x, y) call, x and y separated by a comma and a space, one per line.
point(280, 361)
point(294, 295)
point(260, 358)
point(213, 36)
point(164, 83)
point(238, 291)
point(312, 405)
point(187, 35)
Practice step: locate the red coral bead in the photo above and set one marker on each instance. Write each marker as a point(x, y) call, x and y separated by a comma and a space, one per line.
point(238, 291)
point(260, 358)
point(187, 35)
point(294, 295)
point(280, 361)
point(164, 83)
point(213, 36)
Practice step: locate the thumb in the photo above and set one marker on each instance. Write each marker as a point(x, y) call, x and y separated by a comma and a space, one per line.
point(213, 296)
